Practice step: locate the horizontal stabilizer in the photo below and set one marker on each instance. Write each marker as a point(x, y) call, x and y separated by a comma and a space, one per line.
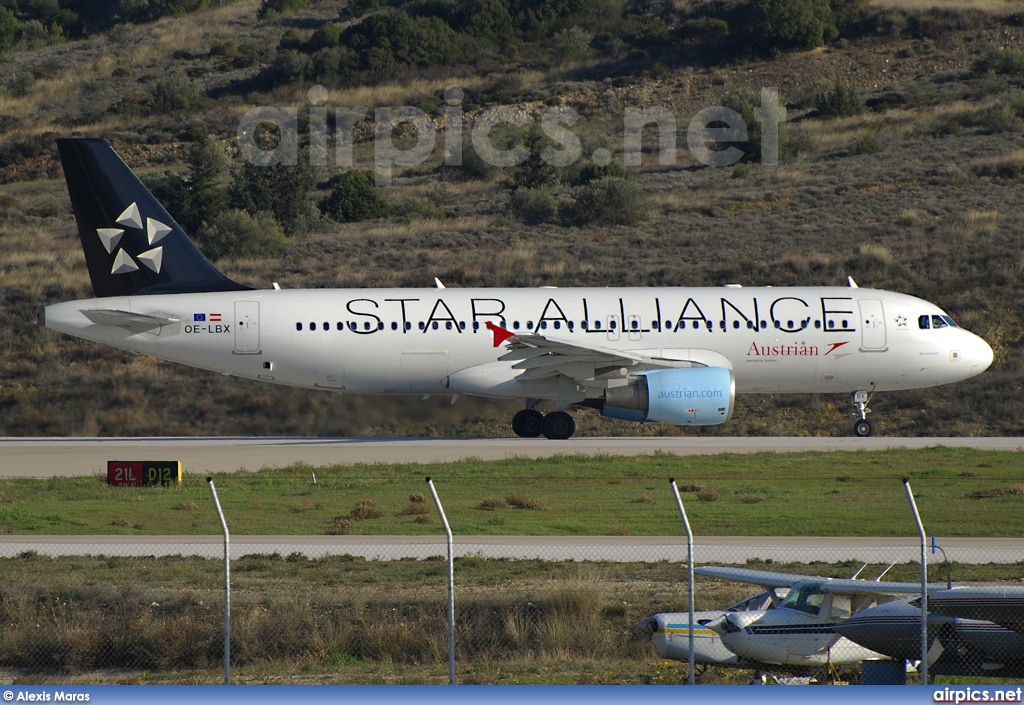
point(133, 322)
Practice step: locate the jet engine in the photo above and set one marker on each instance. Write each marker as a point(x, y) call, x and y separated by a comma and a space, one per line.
point(692, 396)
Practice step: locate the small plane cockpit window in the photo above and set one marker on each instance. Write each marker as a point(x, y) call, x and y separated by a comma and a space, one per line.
point(804, 598)
point(924, 322)
point(938, 322)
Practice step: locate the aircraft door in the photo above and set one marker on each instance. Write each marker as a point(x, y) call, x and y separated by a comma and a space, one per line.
point(872, 320)
point(247, 327)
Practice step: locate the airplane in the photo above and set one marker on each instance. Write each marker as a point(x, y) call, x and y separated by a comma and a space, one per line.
point(670, 631)
point(674, 355)
point(973, 630)
point(801, 632)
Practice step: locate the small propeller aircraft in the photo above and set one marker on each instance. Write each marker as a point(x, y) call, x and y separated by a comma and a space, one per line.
point(670, 631)
point(972, 631)
point(798, 634)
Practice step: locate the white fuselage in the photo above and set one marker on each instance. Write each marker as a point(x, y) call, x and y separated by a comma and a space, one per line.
point(436, 341)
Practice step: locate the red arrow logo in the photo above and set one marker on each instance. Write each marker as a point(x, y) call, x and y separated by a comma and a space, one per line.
point(500, 334)
point(836, 345)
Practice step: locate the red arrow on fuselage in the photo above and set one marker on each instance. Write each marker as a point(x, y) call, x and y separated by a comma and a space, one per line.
point(500, 334)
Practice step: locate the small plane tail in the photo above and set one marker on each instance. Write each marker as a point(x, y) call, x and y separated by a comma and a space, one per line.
point(131, 244)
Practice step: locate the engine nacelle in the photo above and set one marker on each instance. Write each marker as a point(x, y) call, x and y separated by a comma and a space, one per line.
point(693, 396)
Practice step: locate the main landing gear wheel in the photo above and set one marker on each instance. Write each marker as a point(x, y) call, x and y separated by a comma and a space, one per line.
point(863, 428)
point(559, 426)
point(528, 423)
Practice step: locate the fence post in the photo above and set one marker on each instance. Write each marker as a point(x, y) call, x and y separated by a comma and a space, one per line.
point(924, 584)
point(451, 586)
point(689, 573)
point(227, 584)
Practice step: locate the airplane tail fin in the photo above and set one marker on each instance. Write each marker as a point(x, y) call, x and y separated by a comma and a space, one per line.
point(131, 244)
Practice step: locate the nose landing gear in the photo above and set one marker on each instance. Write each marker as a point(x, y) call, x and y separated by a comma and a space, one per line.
point(862, 427)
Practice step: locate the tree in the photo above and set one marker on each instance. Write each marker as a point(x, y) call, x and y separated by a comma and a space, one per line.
point(236, 233)
point(354, 197)
point(279, 189)
point(775, 26)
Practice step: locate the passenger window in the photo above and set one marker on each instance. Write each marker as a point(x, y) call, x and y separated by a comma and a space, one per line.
point(394, 325)
point(937, 322)
point(558, 325)
point(298, 326)
point(341, 326)
point(312, 326)
point(448, 325)
point(434, 325)
point(327, 326)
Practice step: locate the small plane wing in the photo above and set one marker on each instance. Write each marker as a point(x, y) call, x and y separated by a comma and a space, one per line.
point(764, 578)
point(133, 322)
point(840, 586)
point(1001, 604)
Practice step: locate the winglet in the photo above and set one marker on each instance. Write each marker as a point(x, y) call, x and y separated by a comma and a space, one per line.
point(500, 334)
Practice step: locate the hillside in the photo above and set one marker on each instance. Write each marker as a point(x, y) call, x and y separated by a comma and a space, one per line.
point(902, 165)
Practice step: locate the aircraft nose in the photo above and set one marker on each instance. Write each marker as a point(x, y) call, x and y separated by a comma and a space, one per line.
point(981, 355)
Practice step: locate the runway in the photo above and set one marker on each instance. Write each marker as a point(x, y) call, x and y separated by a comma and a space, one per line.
point(619, 549)
point(49, 457)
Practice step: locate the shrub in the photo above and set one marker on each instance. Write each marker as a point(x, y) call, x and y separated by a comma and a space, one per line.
point(592, 172)
point(365, 509)
point(237, 233)
point(867, 144)
point(339, 526)
point(775, 26)
point(708, 495)
point(441, 194)
point(272, 8)
point(841, 100)
point(740, 171)
point(572, 44)
point(353, 198)
point(534, 205)
point(175, 93)
point(1001, 61)
point(608, 201)
point(486, 20)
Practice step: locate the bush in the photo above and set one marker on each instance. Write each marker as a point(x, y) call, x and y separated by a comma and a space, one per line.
point(272, 8)
point(353, 198)
point(775, 26)
point(534, 205)
point(1001, 61)
point(486, 20)
point(841, 100)
point(417, 209)
point(867, 144)
point(572, 44)
point(175, 93)
point(236, 233)
point(607, 201)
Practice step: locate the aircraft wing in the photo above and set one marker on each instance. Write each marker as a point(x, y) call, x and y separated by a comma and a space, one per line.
point(840, 586)
point(1002, 604)
point(542, 356)
point(764, 578)
point(133, 322)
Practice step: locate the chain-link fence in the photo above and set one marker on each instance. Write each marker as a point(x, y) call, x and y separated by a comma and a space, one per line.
point(528, 609)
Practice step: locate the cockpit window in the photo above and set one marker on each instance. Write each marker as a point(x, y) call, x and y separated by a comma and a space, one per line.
point(933, 321)
point(805, 598)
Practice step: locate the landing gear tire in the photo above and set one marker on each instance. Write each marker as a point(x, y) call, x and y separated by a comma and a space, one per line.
point(863, 428)
point(559, 426)
point(528, 423)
